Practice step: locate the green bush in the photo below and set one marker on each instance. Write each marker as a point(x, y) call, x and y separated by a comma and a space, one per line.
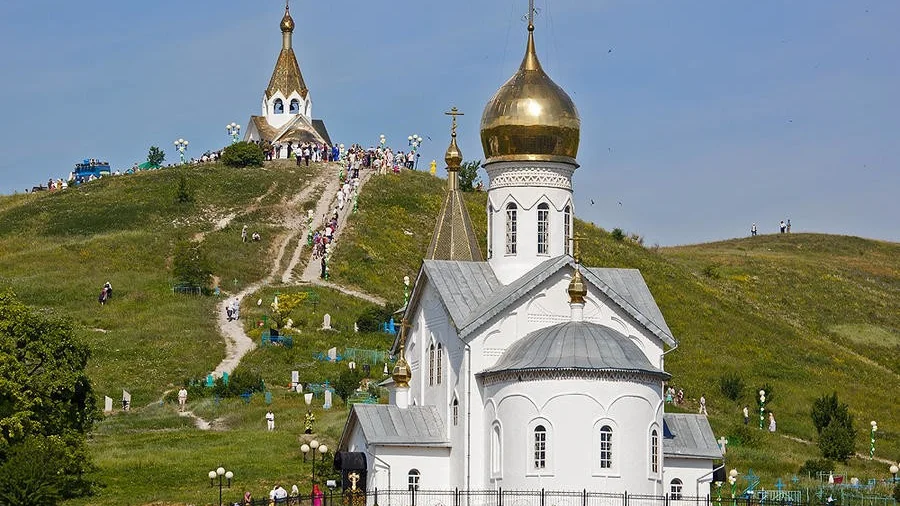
point(41, 471)
point(711, 271)
point(813, 467)
point(190, 265)
point(731, 385)
point(243, 154)
point(827, 408)
point(837, 440)
point(744, 436)
point(618, 234)
point(183, 194)
point(346, 384)
point(238, 383)
point(372, 318)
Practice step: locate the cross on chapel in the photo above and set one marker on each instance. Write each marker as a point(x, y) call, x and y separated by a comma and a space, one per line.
point(454, 112)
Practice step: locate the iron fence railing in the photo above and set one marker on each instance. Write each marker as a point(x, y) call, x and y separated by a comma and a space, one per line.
point(502, 497)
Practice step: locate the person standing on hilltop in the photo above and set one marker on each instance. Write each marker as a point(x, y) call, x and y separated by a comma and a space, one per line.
point(782, 226)
point(771, 422)
point(746, 415)
point(244, 234)
point(753, 230)
point(789, 225)
point(702, 404)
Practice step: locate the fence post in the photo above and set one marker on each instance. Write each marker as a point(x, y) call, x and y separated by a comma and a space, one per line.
point(666, 499)
point(414, 495)
point(584, 497)
point(500, 496)
point(376, 496)
point(542, 496)
point(625, 498)
point(456, 496)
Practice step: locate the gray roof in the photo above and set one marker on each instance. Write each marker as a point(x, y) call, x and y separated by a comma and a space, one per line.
point(689, 436)
point(385, 424)
point(575, 345)
point(319, 125)
point(473, 295)
point(463, 286)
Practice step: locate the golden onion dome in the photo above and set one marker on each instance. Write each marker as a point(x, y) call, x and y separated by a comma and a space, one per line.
point(453, 157)
point(577, 289)
point(287, 22)
point(530, 117)
point(402, 373)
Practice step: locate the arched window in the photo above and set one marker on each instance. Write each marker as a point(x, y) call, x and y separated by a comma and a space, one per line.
point(567, 226)
point(496, 452)
point(654, 451)
point(440, 360)
point(431, 365)
point(490, 230)
point(540, 447)
point(295, 106)
point(543, 229)
point(675, 489)
point(511, 228)
point(455, 410)
point(606, 447)
point(278, 107)
point(413, 479)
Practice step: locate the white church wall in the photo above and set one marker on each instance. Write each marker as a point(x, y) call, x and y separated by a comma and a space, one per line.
point(572, 411)
point(393, 464)
point(695, 475)
point(526, 187)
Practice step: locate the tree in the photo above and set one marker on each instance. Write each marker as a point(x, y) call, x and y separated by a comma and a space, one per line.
point(285, 306)
point(347, 383)
point(190, 265)
point(243, 154)
point(47, 407)
point(183, 194)
point(468, 175)
point(834, 423)
point(156, 156)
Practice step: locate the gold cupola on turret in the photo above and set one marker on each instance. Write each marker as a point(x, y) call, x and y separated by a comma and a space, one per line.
point(530, 118)
point(287, 22)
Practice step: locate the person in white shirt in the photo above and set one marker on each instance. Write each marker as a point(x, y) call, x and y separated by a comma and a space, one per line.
point(182, 398)
point(270, 420)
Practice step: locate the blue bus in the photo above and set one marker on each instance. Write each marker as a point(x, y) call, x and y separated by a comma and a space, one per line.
point(90, 167)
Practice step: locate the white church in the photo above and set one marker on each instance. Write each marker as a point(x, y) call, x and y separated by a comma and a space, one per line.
point(286, 104)
point(528, 371)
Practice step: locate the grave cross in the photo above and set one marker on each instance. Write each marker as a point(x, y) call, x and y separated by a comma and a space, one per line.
point(722, 444)
point(779, 484)
point(353, 477)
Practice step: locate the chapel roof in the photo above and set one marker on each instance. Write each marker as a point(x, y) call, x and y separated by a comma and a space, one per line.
point(578, 346)
point(386, 424)
point(298, 129)
point(287, 77)
point(688, 435)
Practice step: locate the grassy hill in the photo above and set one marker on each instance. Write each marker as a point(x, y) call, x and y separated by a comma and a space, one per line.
point(806, 314)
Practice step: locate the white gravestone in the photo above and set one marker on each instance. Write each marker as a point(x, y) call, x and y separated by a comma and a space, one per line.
point(326, 322)
point(332, 355)
point(295, 378)
point(308, 398)
point(107, 404)
point(126, 400)
point(327, 404)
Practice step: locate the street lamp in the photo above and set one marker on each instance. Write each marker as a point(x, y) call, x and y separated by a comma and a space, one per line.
point(181, 146)
point(872, 440)
point(234, 130)
point(305, 449)
point(762, 407)
point(415, 141)
point(894, 470)
point(732, 478)
point(221, 473)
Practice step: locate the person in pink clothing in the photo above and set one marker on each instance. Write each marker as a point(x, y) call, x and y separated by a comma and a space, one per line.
point(318, 496)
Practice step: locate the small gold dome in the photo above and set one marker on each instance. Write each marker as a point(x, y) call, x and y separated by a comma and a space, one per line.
point(577, 289)
point(287, 22)
point(453, 157)
point(530, 117)
point(401, 373)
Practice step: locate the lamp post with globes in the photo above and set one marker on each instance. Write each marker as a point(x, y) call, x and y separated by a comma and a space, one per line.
point(762, 408)
point(415, 141)
point(181, 146)
point(872, 440)
point(313, 447)
point(221, 473)
point(732, 478)
point(234, 130)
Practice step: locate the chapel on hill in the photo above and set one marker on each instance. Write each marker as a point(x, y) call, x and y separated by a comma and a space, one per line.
point(527, 370)
point(286, 104)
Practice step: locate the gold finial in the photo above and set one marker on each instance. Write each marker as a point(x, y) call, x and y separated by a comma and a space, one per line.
point(402, 372)
point(453, 157)
point(577, 289)
point(287, 22)
point(530, 15)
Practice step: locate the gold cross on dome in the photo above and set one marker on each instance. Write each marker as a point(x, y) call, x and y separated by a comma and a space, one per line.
point(454, 112)
point(353, 477)
point(404, 325)
point(576, 240)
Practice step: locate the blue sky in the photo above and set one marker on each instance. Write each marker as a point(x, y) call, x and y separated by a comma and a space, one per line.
point(705, 117)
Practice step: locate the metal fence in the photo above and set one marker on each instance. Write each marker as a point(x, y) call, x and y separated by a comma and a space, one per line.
point(543, 498)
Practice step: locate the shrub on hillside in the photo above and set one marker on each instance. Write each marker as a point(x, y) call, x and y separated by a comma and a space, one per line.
point(711, 271)
point(238, 383)
point(744, 435)
point(183, 194)
point(618, 234)
point(243, 154)
point(731, 385)
point(468, 175)
point(812, 468)
point(827, 408)
point(190, 265)
point(372, 318)
point(347, 383)
point(834, 423)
